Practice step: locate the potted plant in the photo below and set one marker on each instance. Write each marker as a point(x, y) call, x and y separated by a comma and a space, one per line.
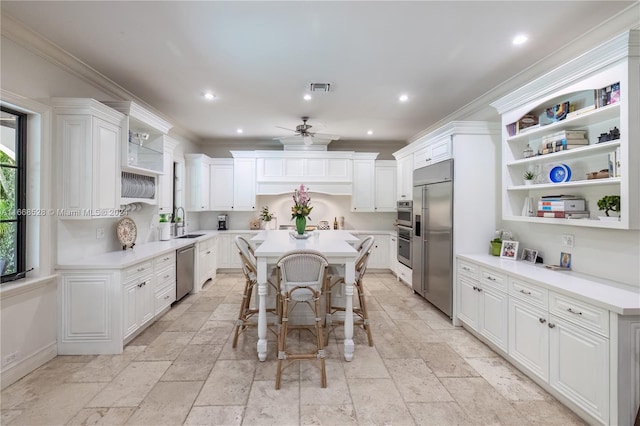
point(496, 243)
point(266, 217)
point(609, 203)
point(528, 177)
point(164, 227)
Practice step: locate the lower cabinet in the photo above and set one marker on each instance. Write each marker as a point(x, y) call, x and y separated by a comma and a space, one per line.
point(569, 346)
point(228, 257)
point(379, 257)
point(101, 309)
point(207, 260)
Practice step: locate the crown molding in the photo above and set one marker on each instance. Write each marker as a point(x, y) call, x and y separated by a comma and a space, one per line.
point(21, 34)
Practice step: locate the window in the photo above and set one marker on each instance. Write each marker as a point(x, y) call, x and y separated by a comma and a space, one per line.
point(13, 193)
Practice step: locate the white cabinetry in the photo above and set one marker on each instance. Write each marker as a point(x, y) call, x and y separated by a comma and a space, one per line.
point(385, 186)
point(483, 302)
point(207, 260)
point(197, 182)
point(436, 151)
point(138, 298)
point(88, 137)
point(405, 177)
point(101, 309)
point(228, 257)
point(244, 184)
point(379, 257)
point(576, 82)
point(582, 353)
point(221, 184)
point(143, 139)
point(363, 198)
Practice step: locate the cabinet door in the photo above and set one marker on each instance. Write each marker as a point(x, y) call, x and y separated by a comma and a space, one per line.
point(244, 184)
point(362, 199)
point(130, 320)
point(221, 187)
point(468, 309)
point(73, 132)
point(145, 299)
point(393, 254)
point(440, 150)
point(225, 249)
point(494, 309)
point(405, 178)
point(529, 337)
point(379, 257)
point(196, 172)
point(385, 188)
point(579, 367)
point(106, 166)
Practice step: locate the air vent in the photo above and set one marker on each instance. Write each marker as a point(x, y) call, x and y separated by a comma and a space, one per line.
point(320, 87)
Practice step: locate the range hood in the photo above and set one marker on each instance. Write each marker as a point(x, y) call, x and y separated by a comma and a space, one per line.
point(305, 143)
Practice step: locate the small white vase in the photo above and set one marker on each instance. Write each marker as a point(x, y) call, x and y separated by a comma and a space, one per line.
point(165, 231)
point(528, 182)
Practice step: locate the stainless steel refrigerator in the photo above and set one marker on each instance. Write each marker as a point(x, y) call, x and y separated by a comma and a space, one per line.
point(432, 243)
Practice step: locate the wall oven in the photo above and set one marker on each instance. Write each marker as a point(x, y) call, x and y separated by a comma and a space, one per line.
point(404, 215)
point(404, 245)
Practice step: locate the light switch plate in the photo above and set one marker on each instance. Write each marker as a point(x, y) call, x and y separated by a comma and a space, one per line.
point(567, 240)
point(100, 233)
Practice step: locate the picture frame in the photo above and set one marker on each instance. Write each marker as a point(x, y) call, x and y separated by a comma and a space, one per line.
point(509, 249)
point(529, 255)
point(565, 260)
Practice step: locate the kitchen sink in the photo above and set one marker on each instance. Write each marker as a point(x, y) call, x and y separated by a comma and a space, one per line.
point(191, 236)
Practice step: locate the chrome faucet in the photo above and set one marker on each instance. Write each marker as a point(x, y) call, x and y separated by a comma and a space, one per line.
point(181, 226)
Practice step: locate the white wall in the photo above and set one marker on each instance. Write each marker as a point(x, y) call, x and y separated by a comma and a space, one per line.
point(325, 207)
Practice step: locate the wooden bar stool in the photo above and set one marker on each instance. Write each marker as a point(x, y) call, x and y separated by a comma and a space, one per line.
point(301, 275)
point(364, 250)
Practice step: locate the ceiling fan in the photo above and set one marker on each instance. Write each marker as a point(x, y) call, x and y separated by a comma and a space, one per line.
point(303, 131)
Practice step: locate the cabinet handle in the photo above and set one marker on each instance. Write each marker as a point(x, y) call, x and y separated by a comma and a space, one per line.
point(475, 288)
point(552, 325)
point(525, 292)
point(490, 278)
point(140, 269)
point(428, 159)
point(166, 258)
point(166, 297)
point(574, 312)
point(479, 289)
point(542, 320)
point(167, 276)
point(139, 285)
point(466, 269)
point(209, 252)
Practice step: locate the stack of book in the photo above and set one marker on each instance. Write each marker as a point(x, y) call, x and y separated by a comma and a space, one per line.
point(563, 140)
point(562, 206)
point(607, 95)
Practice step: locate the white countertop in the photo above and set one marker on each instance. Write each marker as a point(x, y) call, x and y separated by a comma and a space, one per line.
point(331, 244)
point(616, 297)
point(139, 253)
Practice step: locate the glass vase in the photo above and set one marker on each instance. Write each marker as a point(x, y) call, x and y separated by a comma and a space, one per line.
point(301, 224)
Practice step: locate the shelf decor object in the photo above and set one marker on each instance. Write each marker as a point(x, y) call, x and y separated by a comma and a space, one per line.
point(301, 208)
point(127, 232)
point(575, 148)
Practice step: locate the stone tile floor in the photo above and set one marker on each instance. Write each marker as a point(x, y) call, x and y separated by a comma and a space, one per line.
point(182, 370)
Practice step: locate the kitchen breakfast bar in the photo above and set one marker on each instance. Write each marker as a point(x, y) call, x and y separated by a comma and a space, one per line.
point(337, 246)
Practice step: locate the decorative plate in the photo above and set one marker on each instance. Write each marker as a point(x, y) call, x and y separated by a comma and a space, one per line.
point(127, 232)
point(560, 173)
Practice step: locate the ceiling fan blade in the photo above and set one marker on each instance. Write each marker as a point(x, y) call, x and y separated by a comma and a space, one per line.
point(292, 130)
point(326, 136)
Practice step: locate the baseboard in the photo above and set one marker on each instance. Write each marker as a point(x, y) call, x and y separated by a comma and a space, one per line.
point(27, 365)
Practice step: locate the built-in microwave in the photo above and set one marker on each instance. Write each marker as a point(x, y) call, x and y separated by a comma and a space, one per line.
point(404, 215)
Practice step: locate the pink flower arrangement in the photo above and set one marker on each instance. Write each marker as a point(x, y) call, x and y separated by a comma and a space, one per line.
point(301, 199)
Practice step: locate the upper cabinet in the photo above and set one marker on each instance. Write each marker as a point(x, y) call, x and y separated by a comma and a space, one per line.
point(88, 136)
point(197, 182)
point(221, 184)
point(143, 139)
point(363, 197)
point(405, 177)
point(575, 129)
point(244, 182)
point(385, 186)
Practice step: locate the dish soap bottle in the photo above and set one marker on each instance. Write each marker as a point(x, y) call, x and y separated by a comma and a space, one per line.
point(335, 223)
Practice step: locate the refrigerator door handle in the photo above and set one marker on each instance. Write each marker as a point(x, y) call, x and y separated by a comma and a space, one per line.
point(417, 226)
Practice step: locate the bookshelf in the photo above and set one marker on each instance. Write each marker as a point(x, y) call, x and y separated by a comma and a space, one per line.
point(585, 83)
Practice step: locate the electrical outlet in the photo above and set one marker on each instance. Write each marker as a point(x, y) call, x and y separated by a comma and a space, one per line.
point(567, 240)
point(10, 358)
point(100, 233)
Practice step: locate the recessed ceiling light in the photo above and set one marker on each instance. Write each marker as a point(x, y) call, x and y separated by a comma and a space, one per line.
point(209, 96)
point(238, 130)
point(369, 132)
point(520, 39)
point(307, 97)
point(403, 98)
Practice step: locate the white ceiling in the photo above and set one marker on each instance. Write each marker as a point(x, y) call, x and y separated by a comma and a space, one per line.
point(259, 57)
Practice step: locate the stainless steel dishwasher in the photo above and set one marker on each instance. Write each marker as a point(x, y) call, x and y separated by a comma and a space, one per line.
point(184, 271)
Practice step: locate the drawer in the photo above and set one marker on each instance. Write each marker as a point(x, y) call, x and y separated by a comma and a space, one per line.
point(139, 269)
point(529, 292)
point(167, 274)
point(207, 244)
point(493, 279)
point(580, 313)
point(468, 269)
point(164, 260)
point(165, 298)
